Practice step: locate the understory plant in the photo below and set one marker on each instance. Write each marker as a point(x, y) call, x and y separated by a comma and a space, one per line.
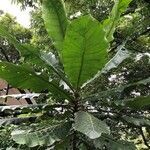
point(70, 120)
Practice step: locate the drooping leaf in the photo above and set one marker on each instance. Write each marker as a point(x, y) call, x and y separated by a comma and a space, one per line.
point(17, 121)
point(23, 77)
point(55, 19)
point(25, 109)
point(110, 144)
point(140, 102)
point(85, 50)
point(119, 57)
point(89, 125)
point(137, 121)
point(110, 24)
point(44, 136)
point(21, 96)
point(104, 94)
point(26, 78)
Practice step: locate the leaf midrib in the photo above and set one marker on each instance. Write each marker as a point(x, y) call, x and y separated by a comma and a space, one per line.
point(81, 68)
point(92, 124)
point(82, 61)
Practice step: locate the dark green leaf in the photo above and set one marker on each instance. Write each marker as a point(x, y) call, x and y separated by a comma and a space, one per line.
point(140, 102)
point(23, 77)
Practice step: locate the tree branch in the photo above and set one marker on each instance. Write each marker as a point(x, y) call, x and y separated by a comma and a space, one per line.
point(144, 138)
point(7, 91)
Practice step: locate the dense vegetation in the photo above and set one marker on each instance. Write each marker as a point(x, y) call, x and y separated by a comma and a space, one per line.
point(88, 61)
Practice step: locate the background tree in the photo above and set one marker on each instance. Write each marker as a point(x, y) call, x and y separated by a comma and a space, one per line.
point(22, 34)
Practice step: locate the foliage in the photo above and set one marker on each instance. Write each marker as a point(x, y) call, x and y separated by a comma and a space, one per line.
point(90, 116)
point(40, 37)
point(23, 35)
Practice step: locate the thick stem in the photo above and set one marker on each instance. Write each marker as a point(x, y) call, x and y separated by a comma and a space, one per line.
point(74, 141)
point(144, 138)
point(7, 91)
point(75, 109)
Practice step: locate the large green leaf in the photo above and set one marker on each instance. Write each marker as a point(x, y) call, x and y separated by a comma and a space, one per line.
point(111, 144)
point(110, 23)
point(55, 19)
point(85, 50)
point(25, 78)
point(89, 125)
point(44, 136)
